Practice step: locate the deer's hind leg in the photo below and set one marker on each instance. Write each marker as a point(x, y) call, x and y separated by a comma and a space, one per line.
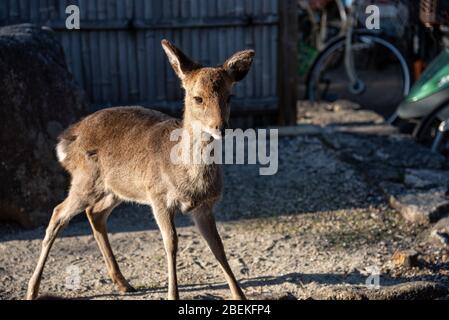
point(98, 215)
point(75, 203)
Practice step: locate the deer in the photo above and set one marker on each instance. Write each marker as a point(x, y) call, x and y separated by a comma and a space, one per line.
point(122, 154)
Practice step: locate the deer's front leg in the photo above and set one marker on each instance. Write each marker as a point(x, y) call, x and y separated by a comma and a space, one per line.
point(205, 221)
point(165, 221)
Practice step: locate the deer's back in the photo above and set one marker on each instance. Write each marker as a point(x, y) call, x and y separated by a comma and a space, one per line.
point(119, 145)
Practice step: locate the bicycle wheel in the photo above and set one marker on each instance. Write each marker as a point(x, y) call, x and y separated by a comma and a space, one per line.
point(378, 63)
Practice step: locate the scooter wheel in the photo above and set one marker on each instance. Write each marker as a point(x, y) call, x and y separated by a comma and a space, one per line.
point(423, 131)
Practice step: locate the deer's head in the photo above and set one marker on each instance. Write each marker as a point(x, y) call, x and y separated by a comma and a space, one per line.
point(208, 90)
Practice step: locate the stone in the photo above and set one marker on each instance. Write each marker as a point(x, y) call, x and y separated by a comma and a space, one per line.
point(417, 206)
point(439, 234)
point(405, 258)
point(422, 178)
point(38, 99)
point(345, 105)
point(442, 238)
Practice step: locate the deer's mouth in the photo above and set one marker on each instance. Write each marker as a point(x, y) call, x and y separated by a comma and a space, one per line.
point(214, 133)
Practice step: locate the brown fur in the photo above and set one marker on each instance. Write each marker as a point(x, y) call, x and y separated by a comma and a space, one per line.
point(123, 154)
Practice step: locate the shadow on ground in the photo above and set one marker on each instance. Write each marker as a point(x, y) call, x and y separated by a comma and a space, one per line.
point(356, 280)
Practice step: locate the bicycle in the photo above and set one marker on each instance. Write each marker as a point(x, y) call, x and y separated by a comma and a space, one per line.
point(360, 66)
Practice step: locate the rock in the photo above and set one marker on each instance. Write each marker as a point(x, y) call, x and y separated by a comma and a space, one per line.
point(439, 234)
point(417, 206)
point(405, 258)
point(340, 105)
point(441, 237)
point(38, 99)
point(426, 178)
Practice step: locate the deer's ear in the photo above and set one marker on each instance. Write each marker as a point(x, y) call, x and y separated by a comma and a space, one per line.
point(239, 64)
point(178, 60)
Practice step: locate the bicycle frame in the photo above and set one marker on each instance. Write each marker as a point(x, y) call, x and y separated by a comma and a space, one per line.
point(319, 28)
point(356, 85)
point(343, 19)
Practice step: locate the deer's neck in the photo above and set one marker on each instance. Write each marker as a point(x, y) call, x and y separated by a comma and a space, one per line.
point(192, 137)
point(196, 145)
point(201, 180)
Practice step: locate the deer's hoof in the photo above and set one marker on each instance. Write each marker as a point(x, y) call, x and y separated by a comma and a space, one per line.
point(30, 296)
point(127, 289)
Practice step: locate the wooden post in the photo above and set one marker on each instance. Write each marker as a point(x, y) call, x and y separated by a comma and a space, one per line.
point(288, 61)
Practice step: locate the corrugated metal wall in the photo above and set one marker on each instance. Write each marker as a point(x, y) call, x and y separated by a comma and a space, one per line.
point(117, 57)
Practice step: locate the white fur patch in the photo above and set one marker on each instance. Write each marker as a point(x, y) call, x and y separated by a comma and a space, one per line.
point(213, 132)
point(61, 152)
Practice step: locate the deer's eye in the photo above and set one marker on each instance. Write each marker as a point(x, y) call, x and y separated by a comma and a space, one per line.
point(198, 100)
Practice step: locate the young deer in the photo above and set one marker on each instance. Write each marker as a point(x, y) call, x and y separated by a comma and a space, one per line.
point(123, 154)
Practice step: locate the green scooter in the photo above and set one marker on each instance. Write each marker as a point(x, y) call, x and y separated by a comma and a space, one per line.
point(428, 105)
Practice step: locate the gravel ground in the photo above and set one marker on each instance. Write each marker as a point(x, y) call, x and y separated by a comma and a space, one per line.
point(316, 230)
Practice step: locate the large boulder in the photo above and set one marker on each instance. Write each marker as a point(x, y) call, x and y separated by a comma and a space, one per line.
point(38, 99)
